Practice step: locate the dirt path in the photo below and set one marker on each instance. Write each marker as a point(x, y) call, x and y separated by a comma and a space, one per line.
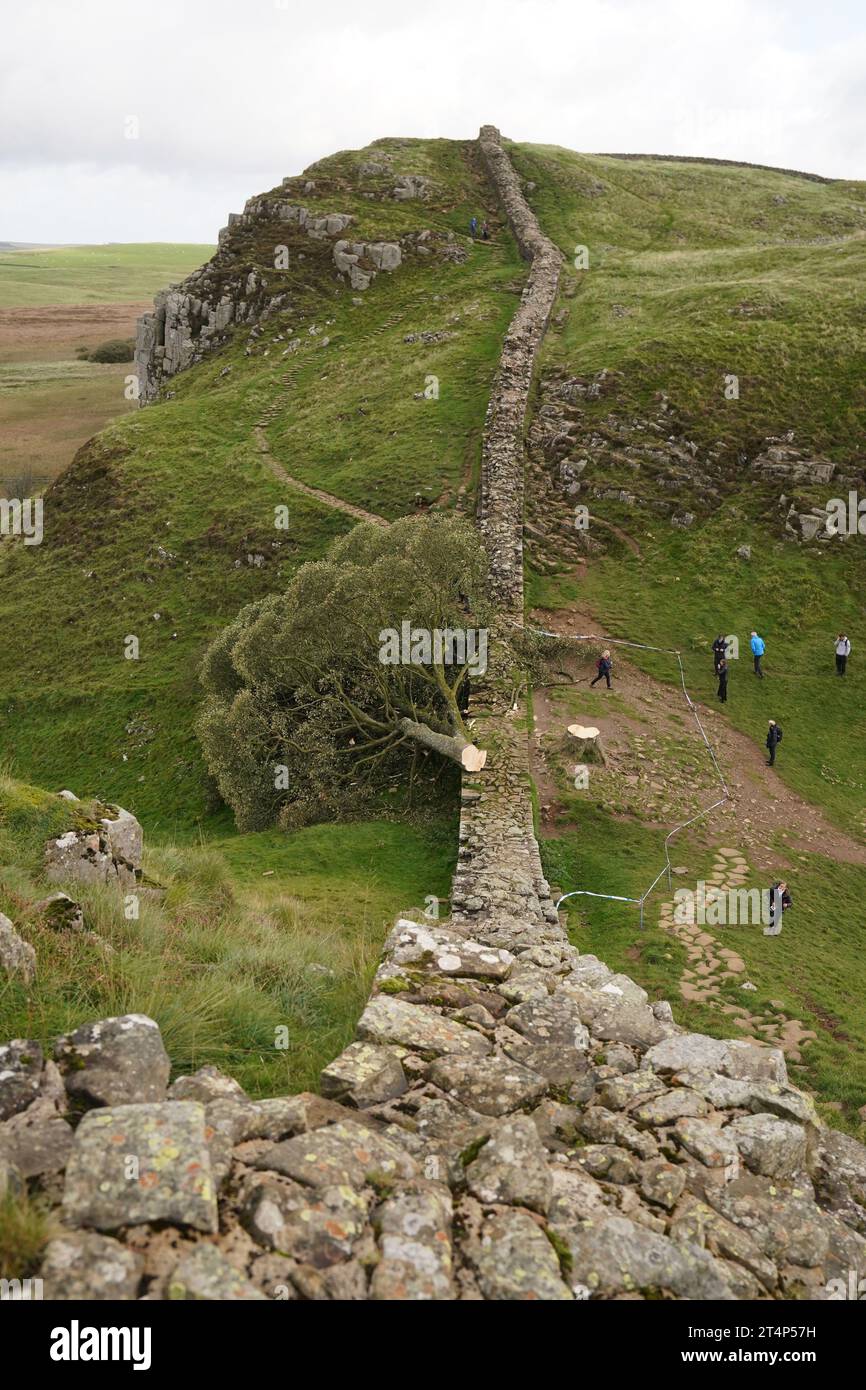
point(762, 806)
point(710, 964)
point(318, 494)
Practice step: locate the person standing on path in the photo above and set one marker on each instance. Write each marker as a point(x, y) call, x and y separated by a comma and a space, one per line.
point(722, 673)
point(473, 227)
point(485, 230)
point(843, 651)
point(603, 666)
point(758, 648)
point(720, 648)
point(774, 738)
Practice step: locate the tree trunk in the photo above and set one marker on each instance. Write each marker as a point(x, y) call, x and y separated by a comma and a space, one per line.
point(449, 745)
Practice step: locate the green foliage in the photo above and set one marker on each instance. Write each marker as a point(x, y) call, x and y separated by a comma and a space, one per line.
point(297, 682)
point(114, 350)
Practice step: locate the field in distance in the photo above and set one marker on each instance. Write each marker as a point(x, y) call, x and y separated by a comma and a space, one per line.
point(53, 303)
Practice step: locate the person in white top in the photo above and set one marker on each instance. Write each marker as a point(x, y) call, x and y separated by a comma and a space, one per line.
point(843, 651)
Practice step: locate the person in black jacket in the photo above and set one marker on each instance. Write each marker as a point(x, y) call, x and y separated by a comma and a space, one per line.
point(722, 673)
point(774, 738)
point(720, 647)
point(603, 666)
point(780, 901)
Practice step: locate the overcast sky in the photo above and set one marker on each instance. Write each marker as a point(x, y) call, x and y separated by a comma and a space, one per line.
point(230, 96)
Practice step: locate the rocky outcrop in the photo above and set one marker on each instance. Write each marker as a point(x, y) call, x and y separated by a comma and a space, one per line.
point(241, 286)
point(109, 853)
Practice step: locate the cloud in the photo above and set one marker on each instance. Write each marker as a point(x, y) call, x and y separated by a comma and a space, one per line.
point(230, 97)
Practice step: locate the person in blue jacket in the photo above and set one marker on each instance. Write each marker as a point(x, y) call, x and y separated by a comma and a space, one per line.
point(758, 649)
point(473, 227)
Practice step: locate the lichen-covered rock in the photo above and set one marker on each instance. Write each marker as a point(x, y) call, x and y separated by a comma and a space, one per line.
point(514, 1260)
point(109, 854)
point(20, 1075)
point(37, 1140)
point(444, 952)
point(206, 1274)
point(205, 1085)
point(770, 1146)
point(318, 1227)
point(117, 1061)
point(688, 1051)
point(364, 1074)
point(415, 1246)
point(670, 1106)
point(710, 1145)
point(17, 956)
point(553, 1020)
point(512, 1168)
point(614, 1255)
point(492, 1085)
point(661, 1182)
point(61, 912)
point(282, 1117)
point(136, 1163)
point(389, 1020)
point(344, 1154)
point(87, 1266)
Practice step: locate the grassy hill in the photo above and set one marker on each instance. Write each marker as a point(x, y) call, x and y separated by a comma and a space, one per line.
point(698, 271)
point(155, 529)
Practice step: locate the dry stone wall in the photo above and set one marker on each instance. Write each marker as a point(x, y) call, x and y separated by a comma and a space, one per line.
point(514, 1120)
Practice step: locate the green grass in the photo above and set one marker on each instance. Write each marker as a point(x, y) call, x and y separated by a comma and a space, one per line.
point(114, 273)
point(815, 968)
point(259, 956)
point(159, 514)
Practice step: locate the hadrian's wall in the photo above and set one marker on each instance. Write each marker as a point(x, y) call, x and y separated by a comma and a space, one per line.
point(513, 1121)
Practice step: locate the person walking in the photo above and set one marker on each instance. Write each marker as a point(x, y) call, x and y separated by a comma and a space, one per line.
point(758, 648)
point(780, 901)
point(720, 648)
point(774, 738)
point(722, 673)
point(485, 230)
point(603, 666)
point(843, 651)
point(473, 227)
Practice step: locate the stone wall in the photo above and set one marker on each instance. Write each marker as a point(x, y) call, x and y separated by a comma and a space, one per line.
point(513, 1121)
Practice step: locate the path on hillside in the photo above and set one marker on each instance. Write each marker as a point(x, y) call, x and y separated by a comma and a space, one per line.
point(318, 494)
point(762, 805)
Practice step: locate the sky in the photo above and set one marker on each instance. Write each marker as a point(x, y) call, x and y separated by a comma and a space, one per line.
point(129, 121)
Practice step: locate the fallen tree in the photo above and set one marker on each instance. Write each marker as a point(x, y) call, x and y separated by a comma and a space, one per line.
point(353, 678)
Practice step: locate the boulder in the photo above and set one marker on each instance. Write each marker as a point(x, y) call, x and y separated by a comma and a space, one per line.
point(414, 1228)
point(117, 1061)
point(363, 1075)
point(511, 1169)
point(17, 956)
point(20, 1075)
point(132, 1164)
point(770, 1146)
point(205, 1274)
point(81, 1265)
